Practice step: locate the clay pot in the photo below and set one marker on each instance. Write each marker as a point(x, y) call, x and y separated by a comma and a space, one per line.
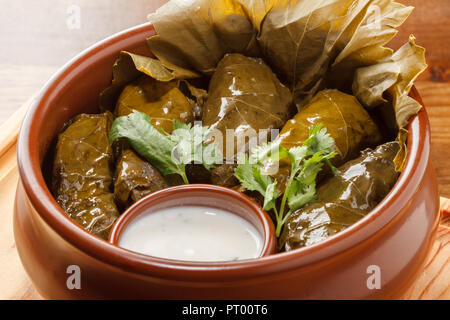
point(395, 237)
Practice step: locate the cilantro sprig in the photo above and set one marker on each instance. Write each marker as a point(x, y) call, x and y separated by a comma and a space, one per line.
point(169, 153)
point(306, 162)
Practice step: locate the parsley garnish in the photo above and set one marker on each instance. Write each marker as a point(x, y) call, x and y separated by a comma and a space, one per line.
point(306, 163)
point(169, 153)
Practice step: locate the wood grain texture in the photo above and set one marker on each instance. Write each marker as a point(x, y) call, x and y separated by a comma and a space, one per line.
point(430, 23)
point(436, 97)
point(433, 282)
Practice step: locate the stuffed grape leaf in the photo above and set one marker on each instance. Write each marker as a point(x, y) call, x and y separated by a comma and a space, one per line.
point(244, 96)
point(347, 122)
point(343, 199)
point(82, 176)
point(162, 101)
point(135, 178)
point(129, 67)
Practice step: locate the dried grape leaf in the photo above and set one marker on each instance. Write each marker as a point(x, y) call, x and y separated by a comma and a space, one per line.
point(300, 39)
point(411, 59)
point(129, 67)
point(377, 28)
point(196, 34)
point(257, 10)
point(371, 82)
point(400, 158)
point(396, 76)
point(393, 79)
point(311, 45)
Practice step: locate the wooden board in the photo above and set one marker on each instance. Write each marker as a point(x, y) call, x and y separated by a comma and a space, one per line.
point(433, 282)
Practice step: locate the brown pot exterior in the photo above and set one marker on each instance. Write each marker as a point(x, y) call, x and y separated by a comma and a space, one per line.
point(396, 236)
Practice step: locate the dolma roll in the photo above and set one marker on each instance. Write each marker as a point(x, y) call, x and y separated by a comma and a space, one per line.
point(81, 177)
point(162, 101)
point(197, 173)
point(245, 96)
point(345, 119)
point(223, 175)
point(343, 199)
point(134, 179)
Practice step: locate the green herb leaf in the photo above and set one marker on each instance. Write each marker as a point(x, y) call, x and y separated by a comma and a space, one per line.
point(303, 188)
point(168, 153)
point(306, 162)
point(272, 151)
point(301, 195)
point(211, 156)
point(156, 147)
point(271, 196)
point(249, 174)
point(296, 155)
point(319, 140)
point(190, 145)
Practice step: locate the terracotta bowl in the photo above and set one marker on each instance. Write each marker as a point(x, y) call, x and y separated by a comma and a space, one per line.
point(201, 195)
point(395, 237)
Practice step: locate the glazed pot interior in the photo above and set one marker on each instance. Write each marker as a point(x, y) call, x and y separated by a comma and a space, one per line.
point(75, 89)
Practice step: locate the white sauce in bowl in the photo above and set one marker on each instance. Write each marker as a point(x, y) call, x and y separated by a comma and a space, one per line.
point(192, 233)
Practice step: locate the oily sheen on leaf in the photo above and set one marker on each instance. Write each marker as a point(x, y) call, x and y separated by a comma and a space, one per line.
point(129, 67)
point(343, 199)
point(245, 96)
point(82, 175)
point(162, 101)
point(347, 122)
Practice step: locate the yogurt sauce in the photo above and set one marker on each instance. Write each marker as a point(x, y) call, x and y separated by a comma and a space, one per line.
point(192, 233)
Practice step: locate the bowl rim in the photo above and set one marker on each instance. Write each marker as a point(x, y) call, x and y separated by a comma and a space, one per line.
point(264, 222)
point(35, 187)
